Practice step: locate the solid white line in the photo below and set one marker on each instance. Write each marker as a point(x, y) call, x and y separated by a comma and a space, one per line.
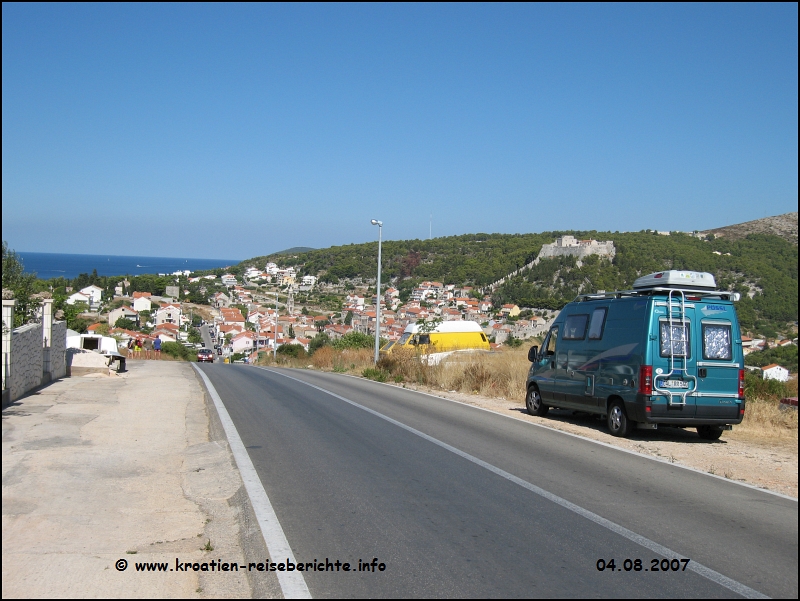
point(292, 584)
point(713, 576)
point(585, 438)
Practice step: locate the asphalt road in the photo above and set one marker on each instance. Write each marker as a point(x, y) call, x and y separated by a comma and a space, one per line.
point(488, 506)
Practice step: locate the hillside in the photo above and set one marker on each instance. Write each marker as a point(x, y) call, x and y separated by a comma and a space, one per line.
point(763, 266)
point(784, 226)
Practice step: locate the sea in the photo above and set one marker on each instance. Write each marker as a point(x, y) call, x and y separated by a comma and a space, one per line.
point(55, 265)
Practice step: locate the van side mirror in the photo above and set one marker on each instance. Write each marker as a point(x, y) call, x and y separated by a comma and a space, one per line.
point(533, 353)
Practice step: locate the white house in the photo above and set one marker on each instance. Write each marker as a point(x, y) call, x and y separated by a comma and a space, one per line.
point(775, 372)
point(168, 314)
point(94, 293)
point(78, 297)
point(243, 342)
point(142, 303)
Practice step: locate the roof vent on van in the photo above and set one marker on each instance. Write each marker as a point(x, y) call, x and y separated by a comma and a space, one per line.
point(676, 279)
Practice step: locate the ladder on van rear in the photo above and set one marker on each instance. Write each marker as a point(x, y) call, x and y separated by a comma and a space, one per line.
point(678, 363)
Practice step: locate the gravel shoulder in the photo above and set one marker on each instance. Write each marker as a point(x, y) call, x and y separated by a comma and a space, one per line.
point(770, 464)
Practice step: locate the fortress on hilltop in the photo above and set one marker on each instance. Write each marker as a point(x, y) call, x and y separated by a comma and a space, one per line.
point(563, 247)
point(570, 246)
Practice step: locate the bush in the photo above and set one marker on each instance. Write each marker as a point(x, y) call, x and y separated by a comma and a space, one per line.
point(354, 340)
point(378, 375)
point(295, 351)
point(126, 324)
point(756, 387)
point(317, 342)
point(178, 351)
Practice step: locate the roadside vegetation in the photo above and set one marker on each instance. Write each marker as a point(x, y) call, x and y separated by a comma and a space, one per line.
point(502, 374)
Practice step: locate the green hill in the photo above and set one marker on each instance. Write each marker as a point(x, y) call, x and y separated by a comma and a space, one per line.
point(763, 267)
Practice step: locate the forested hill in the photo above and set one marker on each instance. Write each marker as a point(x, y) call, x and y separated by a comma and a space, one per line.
point(763, 266)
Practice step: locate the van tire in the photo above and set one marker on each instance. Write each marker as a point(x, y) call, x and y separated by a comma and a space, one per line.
point(534, 404)
point(618, 422)
point(709, 432)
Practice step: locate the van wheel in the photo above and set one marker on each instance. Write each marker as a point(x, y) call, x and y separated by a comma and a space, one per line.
point(534, 404)
point(618, 423)
point(709, 432)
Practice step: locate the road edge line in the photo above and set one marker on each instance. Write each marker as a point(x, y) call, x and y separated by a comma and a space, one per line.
point(293, 585)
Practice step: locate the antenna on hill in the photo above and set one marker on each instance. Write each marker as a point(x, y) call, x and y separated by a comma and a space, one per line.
point(430, 227)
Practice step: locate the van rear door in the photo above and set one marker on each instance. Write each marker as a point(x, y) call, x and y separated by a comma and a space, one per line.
point(717, 364)
point(674, 359)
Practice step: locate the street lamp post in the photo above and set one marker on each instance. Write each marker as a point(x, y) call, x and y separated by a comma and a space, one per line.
point(275, 338)
point(378, 292)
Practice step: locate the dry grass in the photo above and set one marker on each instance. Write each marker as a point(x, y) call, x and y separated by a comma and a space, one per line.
point(764, 419)
point(503, 374)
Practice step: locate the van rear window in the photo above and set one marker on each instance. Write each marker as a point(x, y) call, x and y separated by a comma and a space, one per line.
point(575, 327)
point(674, 339)
point(717, 342)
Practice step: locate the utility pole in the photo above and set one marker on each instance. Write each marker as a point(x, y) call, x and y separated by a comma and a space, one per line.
point(275, 340)
point(378, 292)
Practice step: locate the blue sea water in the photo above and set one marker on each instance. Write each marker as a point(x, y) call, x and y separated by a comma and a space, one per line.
point(54, 265)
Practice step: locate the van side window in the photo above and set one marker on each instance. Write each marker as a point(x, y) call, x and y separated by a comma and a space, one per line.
point(674, 340)
point(717, 342)
point(424, 339)
point(597, 324)
point(575, 327)
point(550, 344)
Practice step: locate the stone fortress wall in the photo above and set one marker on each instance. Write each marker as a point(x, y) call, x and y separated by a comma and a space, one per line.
point(563, 247)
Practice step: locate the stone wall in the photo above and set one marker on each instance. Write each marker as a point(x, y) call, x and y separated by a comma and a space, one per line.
point(581, 249)
point(26, 359)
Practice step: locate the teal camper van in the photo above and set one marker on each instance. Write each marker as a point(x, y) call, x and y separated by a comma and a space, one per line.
point(668, 352)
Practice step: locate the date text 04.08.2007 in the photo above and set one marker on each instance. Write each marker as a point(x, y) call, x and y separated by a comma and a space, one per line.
point(637, 565)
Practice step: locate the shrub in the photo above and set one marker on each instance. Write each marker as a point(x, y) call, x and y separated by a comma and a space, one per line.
point(378, 375)
point(354, 340)
point(756, 387)
point(178, 351)
point(295, 351)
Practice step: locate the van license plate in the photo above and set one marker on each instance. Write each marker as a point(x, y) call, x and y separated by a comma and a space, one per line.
point(675, 384)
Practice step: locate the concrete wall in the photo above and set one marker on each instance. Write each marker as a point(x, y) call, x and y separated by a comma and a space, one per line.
point(33, 354)
point(26, 359)
point(58, 350)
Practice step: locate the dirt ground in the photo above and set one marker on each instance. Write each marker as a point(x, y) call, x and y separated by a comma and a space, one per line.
point(766, 463)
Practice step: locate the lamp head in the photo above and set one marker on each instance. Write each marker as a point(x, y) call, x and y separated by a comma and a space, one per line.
point(376, 222)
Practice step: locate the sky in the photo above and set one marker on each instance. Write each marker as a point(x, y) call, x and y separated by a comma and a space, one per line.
point(238, 130)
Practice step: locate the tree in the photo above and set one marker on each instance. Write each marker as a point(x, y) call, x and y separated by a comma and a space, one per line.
point(22, 285)
point(126, 324)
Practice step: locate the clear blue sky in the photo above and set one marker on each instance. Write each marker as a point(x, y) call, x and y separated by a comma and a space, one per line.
point(240, 130)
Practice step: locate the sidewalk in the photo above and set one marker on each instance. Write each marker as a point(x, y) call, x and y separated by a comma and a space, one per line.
point(98, 469)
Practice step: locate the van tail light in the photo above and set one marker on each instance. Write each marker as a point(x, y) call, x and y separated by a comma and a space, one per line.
point(741, 384)
point(646, 379)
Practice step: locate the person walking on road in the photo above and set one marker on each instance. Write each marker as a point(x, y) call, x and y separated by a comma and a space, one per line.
point(157, 347)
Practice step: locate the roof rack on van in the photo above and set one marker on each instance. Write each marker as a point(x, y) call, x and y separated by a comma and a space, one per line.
point(722, 294)
point(663, 282)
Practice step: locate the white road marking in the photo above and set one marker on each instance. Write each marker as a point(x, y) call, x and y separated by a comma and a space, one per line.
point(694, 566)
point(292, 584)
